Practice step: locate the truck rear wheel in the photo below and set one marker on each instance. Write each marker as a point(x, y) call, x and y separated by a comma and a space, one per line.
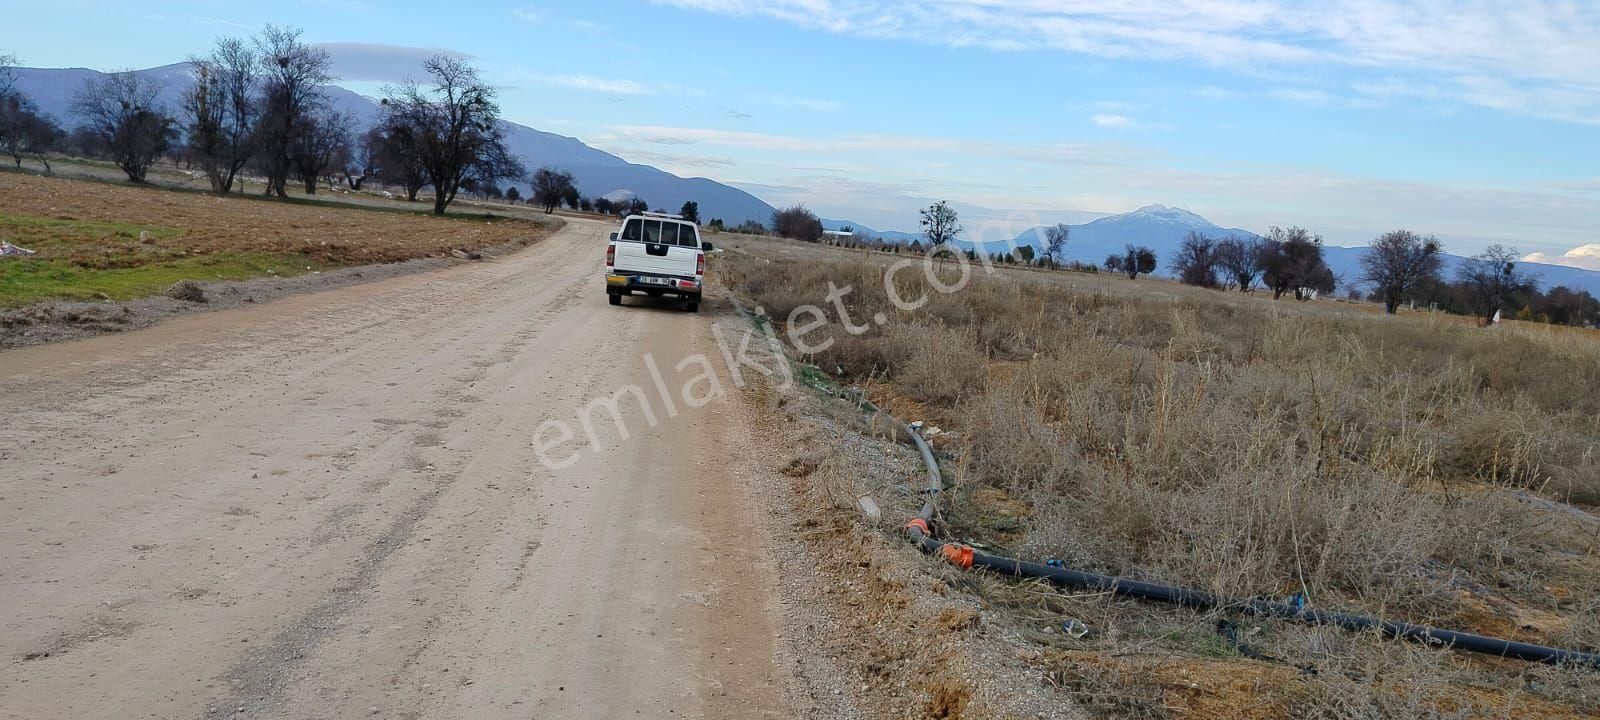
point(693, 306)
point(614, 298)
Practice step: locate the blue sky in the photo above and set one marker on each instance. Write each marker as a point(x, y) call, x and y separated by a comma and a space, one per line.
point(1478, 122)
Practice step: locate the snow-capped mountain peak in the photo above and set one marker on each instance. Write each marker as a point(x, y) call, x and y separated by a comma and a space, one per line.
point(1166, 215)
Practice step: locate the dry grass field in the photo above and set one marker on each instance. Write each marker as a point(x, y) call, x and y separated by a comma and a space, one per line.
point(1418, 468)
point(111, 240)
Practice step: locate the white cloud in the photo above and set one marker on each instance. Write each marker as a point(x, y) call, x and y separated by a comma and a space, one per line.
point(1113, 106)
point(681, 164)
point(1583, 256)
point(794, 102)
point(1304, 96)
point(377, 62)
point(532, 15)
point(1511, 56)
point(616, 87)
point(1118, 115)
point(1212, 92)
point(1073, 154)
point(600, 85)
point(1555, 102)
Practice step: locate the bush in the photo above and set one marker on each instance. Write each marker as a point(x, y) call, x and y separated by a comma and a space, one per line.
point(797, 223)
point(1223, 442)
point(187, 291)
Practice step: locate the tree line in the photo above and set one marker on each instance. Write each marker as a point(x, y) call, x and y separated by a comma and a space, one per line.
point(262, 105)
point(1399, 268)
point(24, 131)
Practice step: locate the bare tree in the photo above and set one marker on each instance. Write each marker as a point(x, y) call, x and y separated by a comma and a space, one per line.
point(362, 161)
point(320, 146)
point(1493, 280)
point(1196, 261)
point(8, 72)
point(940, 224)
point(1241, 260)
point(24, 131)
point(121, 110)
point(398, 160)
point(1135, 260)
point(1398, 263)
point(293, 76)
point(1055, 243)
point(550, 188)
point(454, 127)
point(1292, 261)
point(222, 111)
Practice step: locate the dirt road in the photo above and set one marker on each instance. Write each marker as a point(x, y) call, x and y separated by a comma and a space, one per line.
point(333, 505)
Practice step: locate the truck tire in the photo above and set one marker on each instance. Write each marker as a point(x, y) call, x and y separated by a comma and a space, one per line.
point(693, 306)
point(614, 298)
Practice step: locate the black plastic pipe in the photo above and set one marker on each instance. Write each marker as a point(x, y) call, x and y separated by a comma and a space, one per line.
point(1200, 599)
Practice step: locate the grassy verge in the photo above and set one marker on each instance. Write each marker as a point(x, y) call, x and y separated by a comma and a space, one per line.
point(1248, 447)
point(87, 260)
point(105, 240)
point(29, 281)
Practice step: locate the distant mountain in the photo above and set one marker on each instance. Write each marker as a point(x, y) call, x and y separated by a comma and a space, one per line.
point(1163, 228)
point(894, 236)
point(1159, 227)
point(596, 172)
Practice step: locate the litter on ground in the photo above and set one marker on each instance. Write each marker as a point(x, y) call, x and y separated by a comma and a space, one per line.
point(9, 250)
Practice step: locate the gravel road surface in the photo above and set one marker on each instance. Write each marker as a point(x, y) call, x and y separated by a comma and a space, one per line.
point(332, 505)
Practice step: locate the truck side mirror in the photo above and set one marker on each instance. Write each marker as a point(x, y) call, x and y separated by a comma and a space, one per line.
point(708, 247)
point(613, 237)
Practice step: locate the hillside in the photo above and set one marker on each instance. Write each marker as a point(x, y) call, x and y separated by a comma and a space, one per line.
point(597, 172)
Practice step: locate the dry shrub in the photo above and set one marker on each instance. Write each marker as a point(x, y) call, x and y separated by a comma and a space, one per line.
point(1249, 447)
point(1244, 447)
point(187, 291)
point(1127, 689)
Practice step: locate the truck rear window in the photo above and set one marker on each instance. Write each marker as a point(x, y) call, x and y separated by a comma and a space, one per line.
point(663, 232)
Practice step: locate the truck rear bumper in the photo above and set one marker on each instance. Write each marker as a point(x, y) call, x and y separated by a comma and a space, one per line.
point(628, 284)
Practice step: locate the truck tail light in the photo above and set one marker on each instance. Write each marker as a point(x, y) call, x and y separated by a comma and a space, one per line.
point(700, 264)
point(611, 255)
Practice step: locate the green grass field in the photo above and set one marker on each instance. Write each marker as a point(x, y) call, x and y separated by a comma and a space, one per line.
point(89, 260)
point(98, 240)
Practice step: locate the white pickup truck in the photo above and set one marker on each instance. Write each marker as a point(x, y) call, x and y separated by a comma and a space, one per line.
point(657, 255)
